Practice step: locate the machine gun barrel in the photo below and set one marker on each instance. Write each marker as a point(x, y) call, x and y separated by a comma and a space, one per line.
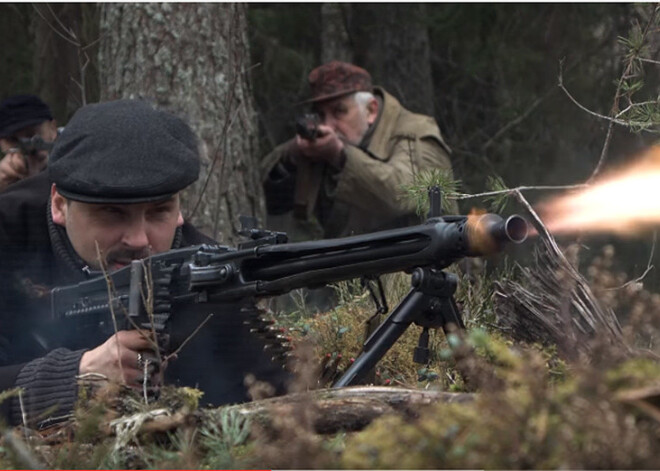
point(279, 268)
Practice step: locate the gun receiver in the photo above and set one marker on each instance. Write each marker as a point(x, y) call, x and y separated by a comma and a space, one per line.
point(34, 144)
point(221, 274)
point(307, 126)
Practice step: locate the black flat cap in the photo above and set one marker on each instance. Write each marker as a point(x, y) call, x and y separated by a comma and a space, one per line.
point(20, 111)
point(123, 151)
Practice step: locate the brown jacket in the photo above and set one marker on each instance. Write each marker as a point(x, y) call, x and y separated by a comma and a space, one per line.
point(366, 195)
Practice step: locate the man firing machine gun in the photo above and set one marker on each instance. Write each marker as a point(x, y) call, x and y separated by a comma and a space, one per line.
point(267, 266)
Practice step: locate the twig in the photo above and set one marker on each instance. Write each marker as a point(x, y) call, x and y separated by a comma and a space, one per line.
point(603, 152)
point(617, 96)
point(92, 375)
point(229, 101)
point(112, 295)
point(69, 31)
point(25, 457)
point(465, 196)
point(632, 105)
point(584, 108)
point(174, 353)
point(23, 413)
point(145, 381)
point(541, 227)
point(149, 306)
point(109, 284)
point(650, 61)
point(53, 27)
point(517, 120)
point(72, 39)
point(83, 72)
point(649, 267)
point(101, 36)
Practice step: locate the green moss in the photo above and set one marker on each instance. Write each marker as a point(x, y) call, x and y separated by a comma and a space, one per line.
point(528, 422)
point(635, 372)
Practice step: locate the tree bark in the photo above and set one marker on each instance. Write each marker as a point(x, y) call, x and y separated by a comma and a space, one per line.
point(192, 60)
point(392, 43)
point(335, 41)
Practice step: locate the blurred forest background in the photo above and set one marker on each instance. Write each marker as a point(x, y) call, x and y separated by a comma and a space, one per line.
point(488, 73)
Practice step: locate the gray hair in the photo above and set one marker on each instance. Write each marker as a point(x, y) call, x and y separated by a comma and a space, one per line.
point(362, 99)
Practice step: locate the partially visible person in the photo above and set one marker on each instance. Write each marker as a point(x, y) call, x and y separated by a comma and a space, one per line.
point(110, 193)
point(27, 133)
point(349, 174)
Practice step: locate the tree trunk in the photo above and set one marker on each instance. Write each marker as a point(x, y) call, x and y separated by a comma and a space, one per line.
point(335, 41)
point(17, 45)
point(392, 43)
point(192, 60)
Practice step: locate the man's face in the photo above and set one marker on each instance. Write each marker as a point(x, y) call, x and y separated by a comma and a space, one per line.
point(47, 130)
point(123, 232)
point(347, 118)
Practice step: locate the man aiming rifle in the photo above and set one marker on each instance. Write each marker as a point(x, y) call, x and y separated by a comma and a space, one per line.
point(349, 159)
point(27, 134)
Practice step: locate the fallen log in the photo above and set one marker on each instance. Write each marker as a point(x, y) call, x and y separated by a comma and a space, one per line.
point(346, 409)
point(332, 410)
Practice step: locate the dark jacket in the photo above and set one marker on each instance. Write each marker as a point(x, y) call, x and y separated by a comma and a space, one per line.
point(35, 256)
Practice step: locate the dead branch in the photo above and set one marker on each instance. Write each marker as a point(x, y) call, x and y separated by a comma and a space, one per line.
point(512, 191)
point(197, 329)
point(649, 267)
point(69, 35)
point(650, 61)
point(517, 120)
point(554, 304)
point(111, 290)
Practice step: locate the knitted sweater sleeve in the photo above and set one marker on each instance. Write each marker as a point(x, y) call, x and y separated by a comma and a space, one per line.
point(49, 387)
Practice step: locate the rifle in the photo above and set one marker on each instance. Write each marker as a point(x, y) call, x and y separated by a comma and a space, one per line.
point(266, 265)
point(307, 126)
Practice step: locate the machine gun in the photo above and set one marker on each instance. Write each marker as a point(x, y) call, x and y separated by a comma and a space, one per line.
point(267, 266)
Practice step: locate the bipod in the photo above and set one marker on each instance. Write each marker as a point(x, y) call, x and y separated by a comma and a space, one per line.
point(429, 304)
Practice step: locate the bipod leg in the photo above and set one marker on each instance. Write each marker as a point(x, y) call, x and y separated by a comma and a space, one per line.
point(429, 303)
point(384, 337)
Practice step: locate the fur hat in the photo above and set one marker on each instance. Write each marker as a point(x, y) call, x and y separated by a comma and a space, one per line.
point(336, 79)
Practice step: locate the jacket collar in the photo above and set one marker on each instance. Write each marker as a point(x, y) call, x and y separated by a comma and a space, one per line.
point(385, 125)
